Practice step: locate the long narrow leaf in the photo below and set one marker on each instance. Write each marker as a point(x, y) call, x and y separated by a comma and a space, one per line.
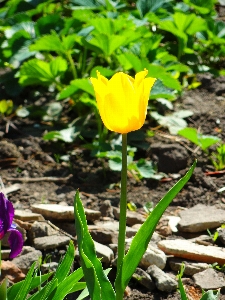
point(141, 239)
point(36, 281)
point(98, 284)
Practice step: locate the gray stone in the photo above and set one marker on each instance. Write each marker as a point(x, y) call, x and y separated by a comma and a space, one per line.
point(27, 257)
point(133, 217)
point(162, 280)
point(51, 242)
point(106, 209)
point(104, 252)
point(192, 251)
point(221, 235)
point(153, 256)
point(171, 158)
point(144, 279)
point(194, 220)
point(191, 267)
point(41, 229)
point(209, 279)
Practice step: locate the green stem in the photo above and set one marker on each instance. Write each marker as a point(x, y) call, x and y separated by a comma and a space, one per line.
point(72, 64)
point(123, 211)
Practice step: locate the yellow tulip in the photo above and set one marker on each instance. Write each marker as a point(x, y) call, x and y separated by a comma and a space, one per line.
point(122, 100)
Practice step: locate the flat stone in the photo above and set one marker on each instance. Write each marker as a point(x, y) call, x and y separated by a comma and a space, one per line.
point(5, 254)
point(49, 267)
point(104, 252)
point(201, 217)
point(133, 217)
point(51, 242)
point(24, 215)
point(162, 280)
point(209, 279)
point(192, 251)
point(41, 229)
point(191, 267)
point(62, 212)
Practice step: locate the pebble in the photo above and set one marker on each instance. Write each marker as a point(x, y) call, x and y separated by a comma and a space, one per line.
point(153, 256)
point(162, 280)
point(191, 267)
point(209, 279)
point(11, 271)
point(52, 242)
point(104, 252)
point(192, 251)
point(194, 220)
point(133, 217)
point(24, 215)
point(144, 279)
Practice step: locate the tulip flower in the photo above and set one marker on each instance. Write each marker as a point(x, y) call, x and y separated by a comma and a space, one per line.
point(122, 100)
point(6, 217)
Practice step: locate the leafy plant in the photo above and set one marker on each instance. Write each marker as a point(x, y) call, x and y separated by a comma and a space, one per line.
point(218, 157)
point(203, 141)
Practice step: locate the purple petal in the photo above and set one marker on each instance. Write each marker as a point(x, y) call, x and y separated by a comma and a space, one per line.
point(6, 214)
point(16, 242)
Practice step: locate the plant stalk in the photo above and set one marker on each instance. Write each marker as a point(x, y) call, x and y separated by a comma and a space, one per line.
point(72, 64)
point(123, 211)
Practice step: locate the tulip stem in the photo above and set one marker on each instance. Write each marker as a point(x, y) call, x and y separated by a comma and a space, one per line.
point(123, 209)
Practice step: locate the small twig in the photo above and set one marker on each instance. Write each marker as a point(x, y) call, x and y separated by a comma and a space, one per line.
point(49, 179)
point(62, 231)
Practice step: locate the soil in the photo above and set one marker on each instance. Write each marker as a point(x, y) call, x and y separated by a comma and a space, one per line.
point(24, 154)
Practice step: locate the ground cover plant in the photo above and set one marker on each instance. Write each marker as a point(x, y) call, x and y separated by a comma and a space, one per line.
point(53, 49)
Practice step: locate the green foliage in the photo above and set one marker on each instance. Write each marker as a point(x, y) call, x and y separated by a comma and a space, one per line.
point(97, 283)
point(218, 157)
point(203, 141)
point(58, 286)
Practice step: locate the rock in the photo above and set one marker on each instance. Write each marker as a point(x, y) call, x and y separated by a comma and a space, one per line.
point(106, 209)
point(191, 267)
point(62, 212)
point(209, 280)
point(11, 271)
point(144, 279)
point(162, 281)
point(194, 220)
point(104, 252)
point(192, 251)
point(27, 257)
point(171, 158)
point(132, 217)
point(221, 235)
point(5, 254)
point(51, 242)
point(102, 236)
point(41, 229)
point(49, 267)
point(173, 222)
point(68, 227)
point(153, 256)
point(24, 215)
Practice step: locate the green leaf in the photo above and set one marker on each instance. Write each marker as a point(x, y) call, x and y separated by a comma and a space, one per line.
point(145, 6)
point(98, 284)
point(141, 239)
point(180, 283)
point(203, 141)
point(84, 84)
point(49, 42)
point(68, 284)
point(211, 295)
point(3, 289)
point(46, 292)
point(36, 281)
point(25, 287)
point(58, 66)
point(145, 168)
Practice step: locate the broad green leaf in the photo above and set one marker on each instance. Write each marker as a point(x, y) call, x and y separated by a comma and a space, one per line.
point(203, 141)
point(159, 90)
point(103, 71)
point(98, 284)
point(145, 6)
point(211, 295)
point(142, 238)
point(145, 168)
point(49, 42)
point(35, 71)
point(58, 66)
point(68, 91)
point(84, 84)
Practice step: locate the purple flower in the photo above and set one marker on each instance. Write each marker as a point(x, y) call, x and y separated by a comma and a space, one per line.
point(6, 217)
